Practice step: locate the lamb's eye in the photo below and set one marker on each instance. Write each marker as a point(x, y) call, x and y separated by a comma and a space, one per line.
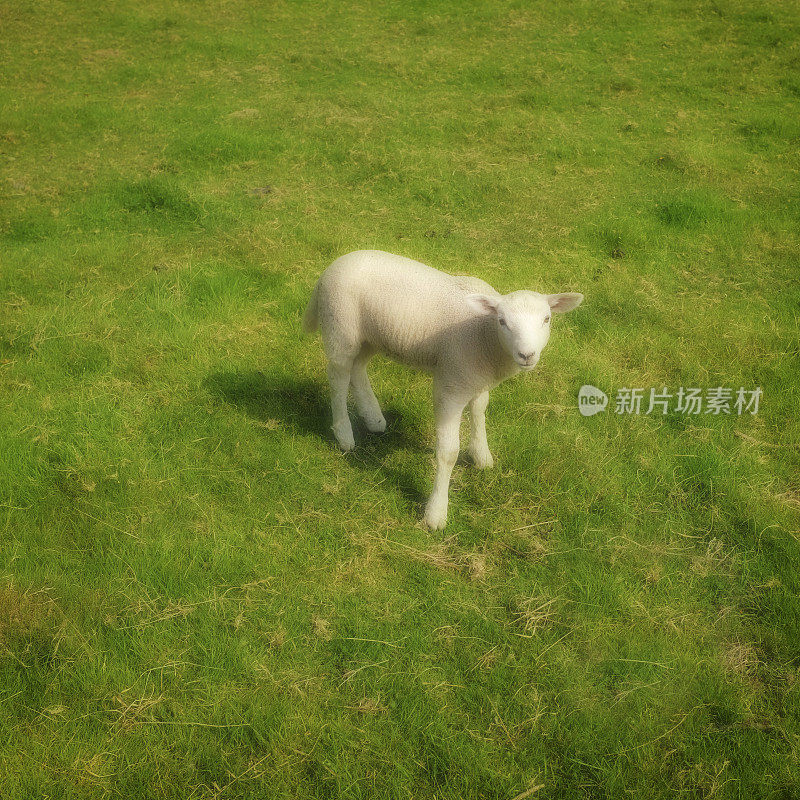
point(546, 320)
point(503, 322)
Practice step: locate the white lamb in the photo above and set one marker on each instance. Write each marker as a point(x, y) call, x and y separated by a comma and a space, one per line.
point(458, 328)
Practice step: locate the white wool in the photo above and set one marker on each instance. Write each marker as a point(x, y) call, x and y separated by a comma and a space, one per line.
point(456, 327)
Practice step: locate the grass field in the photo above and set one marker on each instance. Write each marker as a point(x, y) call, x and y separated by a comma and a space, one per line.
point(200, 597)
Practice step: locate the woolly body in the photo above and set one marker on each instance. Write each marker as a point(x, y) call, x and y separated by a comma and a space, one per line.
point(410, 312)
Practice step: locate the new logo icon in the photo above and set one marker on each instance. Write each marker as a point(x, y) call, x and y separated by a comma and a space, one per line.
point(591, 400)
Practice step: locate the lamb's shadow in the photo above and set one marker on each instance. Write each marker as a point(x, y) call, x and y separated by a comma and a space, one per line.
point(304, 406)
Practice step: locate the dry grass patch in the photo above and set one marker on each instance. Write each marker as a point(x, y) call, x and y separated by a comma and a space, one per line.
point(23, 612)
point(533, 614)
point(443, 555)
point(370, 706)
point(715, 559)
point(740, 658)
point(321, 627)
point(278, 638)
point(447, 556)
point(133, 712)
point(791, 498)
point(95, 771)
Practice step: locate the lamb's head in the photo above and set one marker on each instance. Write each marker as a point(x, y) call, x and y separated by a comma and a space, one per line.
point(523, 320)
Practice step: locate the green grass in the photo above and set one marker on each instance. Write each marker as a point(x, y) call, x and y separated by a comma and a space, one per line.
point(201, 597)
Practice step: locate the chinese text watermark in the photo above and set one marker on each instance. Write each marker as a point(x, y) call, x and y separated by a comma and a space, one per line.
point(683, 400)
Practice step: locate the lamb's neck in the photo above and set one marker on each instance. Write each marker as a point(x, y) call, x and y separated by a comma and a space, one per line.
point(498, 359)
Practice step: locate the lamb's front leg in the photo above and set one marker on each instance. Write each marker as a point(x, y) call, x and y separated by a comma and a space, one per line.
point(448, 421)
point(478, 446)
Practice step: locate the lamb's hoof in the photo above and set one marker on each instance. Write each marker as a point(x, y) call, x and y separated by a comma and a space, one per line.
point(375, 426)
point(482, 460)
point(345, 439)
point(435, 518)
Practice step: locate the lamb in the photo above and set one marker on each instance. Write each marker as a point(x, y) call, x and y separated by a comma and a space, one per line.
point(458, 328)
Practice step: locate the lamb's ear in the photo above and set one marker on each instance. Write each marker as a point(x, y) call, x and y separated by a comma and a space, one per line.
point(483, 303)
point(561, 303)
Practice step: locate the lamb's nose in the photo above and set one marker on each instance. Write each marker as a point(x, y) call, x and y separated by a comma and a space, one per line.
point(527, 358)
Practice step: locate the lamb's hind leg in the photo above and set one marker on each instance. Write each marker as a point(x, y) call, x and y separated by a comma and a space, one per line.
point(366, 402)
point(339, 379)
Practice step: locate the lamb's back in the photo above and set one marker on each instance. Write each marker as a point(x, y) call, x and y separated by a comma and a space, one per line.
point(404, 308)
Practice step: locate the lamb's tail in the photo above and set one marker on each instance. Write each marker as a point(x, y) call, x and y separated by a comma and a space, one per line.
point(310, 321)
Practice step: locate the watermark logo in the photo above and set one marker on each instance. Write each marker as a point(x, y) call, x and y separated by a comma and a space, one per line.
point(715, 400)
point(591, 400)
